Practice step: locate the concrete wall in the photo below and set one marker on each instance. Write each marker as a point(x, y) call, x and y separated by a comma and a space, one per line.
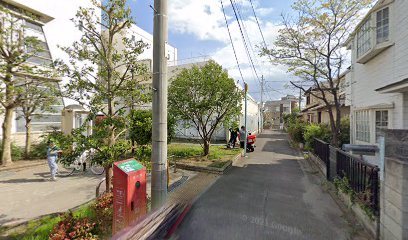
point(387, 67)
point(394, 201)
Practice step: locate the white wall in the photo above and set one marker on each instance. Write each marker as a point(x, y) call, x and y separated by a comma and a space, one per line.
point(388, 67)
point(147, 38)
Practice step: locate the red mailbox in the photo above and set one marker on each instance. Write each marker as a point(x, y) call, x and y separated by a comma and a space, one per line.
point(129, 193)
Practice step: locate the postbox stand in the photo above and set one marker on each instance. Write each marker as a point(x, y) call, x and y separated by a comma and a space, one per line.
point(129, 193)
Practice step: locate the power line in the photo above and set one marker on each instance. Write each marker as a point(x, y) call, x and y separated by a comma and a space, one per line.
point(232, 43)
point(259, 27)
point(248, 39)
point(243, 38)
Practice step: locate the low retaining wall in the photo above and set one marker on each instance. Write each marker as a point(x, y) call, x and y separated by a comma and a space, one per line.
point(214, 170)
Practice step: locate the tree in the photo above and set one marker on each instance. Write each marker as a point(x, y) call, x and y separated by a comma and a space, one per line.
point(38, 97)
point(105, 78)
point(311, 46)
point(204, 97)
point(16, 48)
point(140, 127)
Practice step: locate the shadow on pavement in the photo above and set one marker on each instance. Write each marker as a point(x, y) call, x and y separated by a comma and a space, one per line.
point(276, 147)
point(23, 180)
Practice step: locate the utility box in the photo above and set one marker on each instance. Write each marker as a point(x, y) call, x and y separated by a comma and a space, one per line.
point(129, 193)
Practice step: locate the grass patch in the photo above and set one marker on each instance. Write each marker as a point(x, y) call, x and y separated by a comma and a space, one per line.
point(195, 150)
point(191, 154)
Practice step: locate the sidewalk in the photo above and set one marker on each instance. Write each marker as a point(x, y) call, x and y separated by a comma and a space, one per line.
point(272, 194)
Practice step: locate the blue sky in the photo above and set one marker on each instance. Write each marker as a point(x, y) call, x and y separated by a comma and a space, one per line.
point(197, 28)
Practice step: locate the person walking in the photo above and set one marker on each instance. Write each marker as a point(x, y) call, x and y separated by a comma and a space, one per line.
point(52, 157)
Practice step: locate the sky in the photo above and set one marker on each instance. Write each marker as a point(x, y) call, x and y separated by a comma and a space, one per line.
point(197, 28)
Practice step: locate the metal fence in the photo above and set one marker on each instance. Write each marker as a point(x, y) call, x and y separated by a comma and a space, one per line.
point(322, 150)
point(363, 178)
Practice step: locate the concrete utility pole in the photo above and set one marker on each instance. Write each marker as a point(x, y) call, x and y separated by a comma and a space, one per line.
point(159, 135)
point(245, 120)
point(262, 92)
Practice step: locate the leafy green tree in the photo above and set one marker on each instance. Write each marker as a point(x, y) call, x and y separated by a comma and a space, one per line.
point(39, 97)
point(105, 75)
point(204, 97)
point(16, 48)
point(140, 127)
point(311, 46)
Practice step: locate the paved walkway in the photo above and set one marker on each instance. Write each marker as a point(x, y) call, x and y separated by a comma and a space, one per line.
point(272, 194)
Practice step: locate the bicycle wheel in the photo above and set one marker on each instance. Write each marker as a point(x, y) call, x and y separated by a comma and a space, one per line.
point(64, 170)
point(97, 169)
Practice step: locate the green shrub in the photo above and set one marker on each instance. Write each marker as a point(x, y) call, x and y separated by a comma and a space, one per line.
point(17, 153)
point(313, 131)
point(39, 150)
point(344, 136)
point(296, 131)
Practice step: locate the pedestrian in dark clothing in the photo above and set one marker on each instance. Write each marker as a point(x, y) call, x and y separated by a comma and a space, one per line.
point(233, 138)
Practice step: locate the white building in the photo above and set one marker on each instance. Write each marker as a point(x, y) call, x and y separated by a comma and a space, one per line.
point(41, 121)
point(379, 71)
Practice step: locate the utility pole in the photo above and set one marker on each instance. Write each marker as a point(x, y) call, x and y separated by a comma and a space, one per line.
point(300, 99)
point(245, 120)
point(159, 134)
point(262, 92)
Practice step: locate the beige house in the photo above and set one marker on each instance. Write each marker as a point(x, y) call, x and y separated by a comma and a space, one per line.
point(274, 110)
point(316, 110)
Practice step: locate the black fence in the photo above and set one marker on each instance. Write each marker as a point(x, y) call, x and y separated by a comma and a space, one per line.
point(363, 178)
point(322, 150)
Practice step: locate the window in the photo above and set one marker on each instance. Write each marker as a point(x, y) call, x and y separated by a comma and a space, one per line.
point(383, 30)
point(364, 38)
point(44, 122)
point(307, 100)
point(33, 26)
point(381, 119)
point(39, 61)
point(363, 126)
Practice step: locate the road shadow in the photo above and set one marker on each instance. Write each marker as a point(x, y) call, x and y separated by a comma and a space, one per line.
point(279, 146)
point(275, 135)
point(24, 180)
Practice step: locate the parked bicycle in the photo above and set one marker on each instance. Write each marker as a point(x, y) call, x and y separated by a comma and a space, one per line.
point(82, 163)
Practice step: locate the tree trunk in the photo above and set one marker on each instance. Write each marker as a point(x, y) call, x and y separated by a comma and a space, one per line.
point(206, 147)
point(108, 177)
point(6, 144)
point(333, 128)
point(28, 138)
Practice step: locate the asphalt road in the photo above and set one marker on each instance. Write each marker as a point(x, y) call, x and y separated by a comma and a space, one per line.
point(272, 194)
